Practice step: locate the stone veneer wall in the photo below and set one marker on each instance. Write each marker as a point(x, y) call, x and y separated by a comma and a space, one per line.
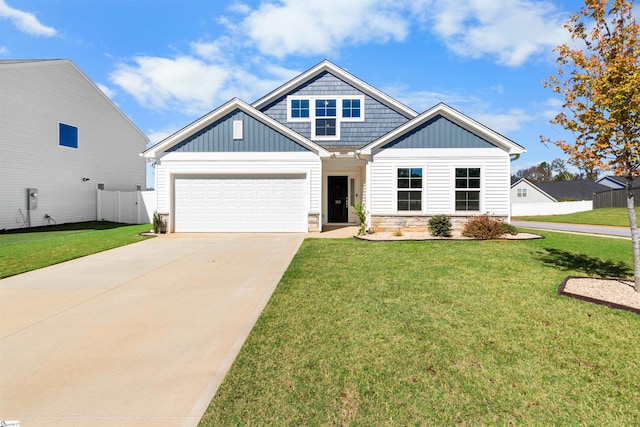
point(405, 223)
point(313, 222)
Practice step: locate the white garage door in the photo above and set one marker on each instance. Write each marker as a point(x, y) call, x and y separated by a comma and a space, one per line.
point(245, 204)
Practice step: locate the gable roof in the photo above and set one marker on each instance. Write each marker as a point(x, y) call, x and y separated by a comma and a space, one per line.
point(456, 117)
point(618, 182)
point(533, 187)
point(67, 62)
point(220, 112)
point(581, 189)
point(327, 66)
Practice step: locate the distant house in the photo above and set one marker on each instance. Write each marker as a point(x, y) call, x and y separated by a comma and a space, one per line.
point(61, 139)
point(304, 155)
point(617, 182)
point(523, 191)
point(554, 197)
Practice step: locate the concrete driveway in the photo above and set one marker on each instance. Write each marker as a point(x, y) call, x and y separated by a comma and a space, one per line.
point(141, 335)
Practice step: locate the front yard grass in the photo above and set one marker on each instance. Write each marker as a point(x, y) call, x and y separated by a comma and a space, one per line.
point(26, 250)
point(438, 333)
point(606, 216)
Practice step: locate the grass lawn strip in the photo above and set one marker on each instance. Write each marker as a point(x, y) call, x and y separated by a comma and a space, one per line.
point(437, 333)
point(618, 217)
point(22, 251)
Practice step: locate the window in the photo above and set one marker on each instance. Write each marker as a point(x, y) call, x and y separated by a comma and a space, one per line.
point(68, 136)
point(325, 107)
point(350, 108)
point(409, 189)
point(299, 108)
point(325, 127)
point(467, 189)
point(326, 114)
point(522, 192)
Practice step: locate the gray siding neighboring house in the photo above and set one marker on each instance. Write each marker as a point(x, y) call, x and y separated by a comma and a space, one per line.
point(62, 136)
point(317, 146)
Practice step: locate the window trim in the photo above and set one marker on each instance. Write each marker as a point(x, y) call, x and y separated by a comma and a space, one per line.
point(339, 117)
point(397, 189)
point(480, 189)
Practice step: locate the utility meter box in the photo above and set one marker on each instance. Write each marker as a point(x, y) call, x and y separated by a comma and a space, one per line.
point(32, 198)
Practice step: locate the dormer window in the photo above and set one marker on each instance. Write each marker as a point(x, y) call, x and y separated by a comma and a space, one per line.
point(325, 113)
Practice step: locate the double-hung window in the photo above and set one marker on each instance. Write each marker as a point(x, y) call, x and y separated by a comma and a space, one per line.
point(467, 189)
point(409, 189)
point(326, 117)
point(522, 192)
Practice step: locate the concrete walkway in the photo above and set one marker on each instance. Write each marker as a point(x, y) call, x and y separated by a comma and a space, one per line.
point(576, 228)
point(137, 336)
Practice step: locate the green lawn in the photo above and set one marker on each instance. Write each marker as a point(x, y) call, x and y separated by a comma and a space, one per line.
point(26, 250)
point(605, 216)
point(438, 333)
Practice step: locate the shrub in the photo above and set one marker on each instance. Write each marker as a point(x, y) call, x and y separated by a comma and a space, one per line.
point(484, 228)
point(440, 226)
point(509, 229)
point(361, 213)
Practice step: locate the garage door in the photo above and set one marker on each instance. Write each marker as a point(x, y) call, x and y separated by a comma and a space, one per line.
point(245, 204)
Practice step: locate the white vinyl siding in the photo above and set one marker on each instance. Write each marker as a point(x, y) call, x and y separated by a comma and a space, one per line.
point(439, 178)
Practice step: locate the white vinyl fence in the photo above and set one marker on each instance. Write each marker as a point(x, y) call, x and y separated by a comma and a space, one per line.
point(550, 208)
point(129, 207)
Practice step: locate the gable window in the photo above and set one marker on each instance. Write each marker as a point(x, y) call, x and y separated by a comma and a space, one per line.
point(67, 136)
point(351, 108)
point(326, 114)
point(467, 189)
point(300, 108)
point(325, 127)
point(325, 107)
point(522, 192)
point(409, 189)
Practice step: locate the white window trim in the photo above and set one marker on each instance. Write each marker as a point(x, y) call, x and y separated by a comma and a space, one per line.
point(423, 201)
point(312, 113)
point(454, 189)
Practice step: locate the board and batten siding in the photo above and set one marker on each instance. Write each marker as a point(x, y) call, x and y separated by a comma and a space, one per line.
point(256, 137)
point(237, 164)
point(36, 97)
point(439, 178)
point(379, 119)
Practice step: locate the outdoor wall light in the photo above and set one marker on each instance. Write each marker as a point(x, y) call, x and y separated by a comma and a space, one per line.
point(84, 179)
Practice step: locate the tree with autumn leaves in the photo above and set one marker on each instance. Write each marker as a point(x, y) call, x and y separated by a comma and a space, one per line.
point(599, 78)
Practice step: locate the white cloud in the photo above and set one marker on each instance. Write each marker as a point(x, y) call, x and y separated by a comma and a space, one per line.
point(4, 51)
point(504, 123)
point(510, 31)
point(106, 90)
point(186, 83)
point(25, 22)
point(321, 28)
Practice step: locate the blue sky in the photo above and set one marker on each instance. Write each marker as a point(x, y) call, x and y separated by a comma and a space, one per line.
point(167, 62)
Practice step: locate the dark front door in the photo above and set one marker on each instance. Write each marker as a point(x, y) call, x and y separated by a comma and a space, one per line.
point(338, 206)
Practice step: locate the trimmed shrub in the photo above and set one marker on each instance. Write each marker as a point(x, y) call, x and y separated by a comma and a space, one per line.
point(509, 229)
point(484, 228)
point(440, 226)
